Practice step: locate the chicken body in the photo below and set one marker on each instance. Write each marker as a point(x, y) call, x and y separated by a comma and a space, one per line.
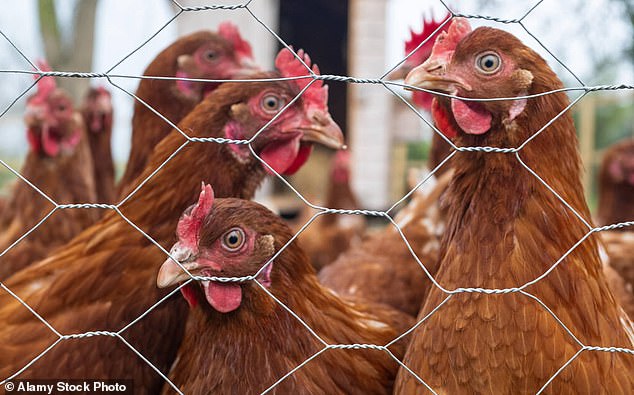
point(330, 235)
point(381, 268)
point(616, 185)
point(246, 343)
point(505, 230)
point(97, 113)
point(616, 205)
point(104, 279)
point(203, 55)
point(60, 165)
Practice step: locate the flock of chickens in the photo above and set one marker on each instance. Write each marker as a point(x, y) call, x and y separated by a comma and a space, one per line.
point(493, 292)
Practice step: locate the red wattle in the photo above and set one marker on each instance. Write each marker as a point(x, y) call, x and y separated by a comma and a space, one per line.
point(422, 100)
point(224, 297)
point(302, 157)
point(190, 295)
point(186, 87)
point(281, 154)
point(442, 120)
point(471, 116)
point(51, 147)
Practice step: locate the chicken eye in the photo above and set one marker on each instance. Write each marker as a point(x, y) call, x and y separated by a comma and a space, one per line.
point(233, 239)
point(211, 55)
point(488, 63)
point(271, 103)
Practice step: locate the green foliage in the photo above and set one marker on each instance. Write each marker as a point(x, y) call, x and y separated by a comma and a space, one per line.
point(418, 151)
point(614, 122)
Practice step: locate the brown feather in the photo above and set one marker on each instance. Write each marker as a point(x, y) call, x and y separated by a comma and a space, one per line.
point(616, 184)
point(382, 269)
point(113, 276)
point(505, 229)
point(249, 349)
point(100, 147)
point(331, 234)
point(148, 129)
point(67, 179)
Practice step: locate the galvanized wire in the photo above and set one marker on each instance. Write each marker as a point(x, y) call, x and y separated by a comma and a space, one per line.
point(389, 86)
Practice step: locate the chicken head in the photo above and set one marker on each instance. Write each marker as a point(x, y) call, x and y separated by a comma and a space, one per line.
point(225, 57)
point(475, 65)
point(98, 109)
point(223, 238)
point(289, 127)
point(53, 126)
point(431, 29)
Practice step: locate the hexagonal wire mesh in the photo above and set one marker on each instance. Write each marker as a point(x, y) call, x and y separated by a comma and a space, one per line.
point(387, 214)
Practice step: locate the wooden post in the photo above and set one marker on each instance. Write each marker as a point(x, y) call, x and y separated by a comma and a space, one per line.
point(587, 118)
point(369, 106)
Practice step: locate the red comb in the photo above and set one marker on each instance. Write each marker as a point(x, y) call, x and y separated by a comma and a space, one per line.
point(447, 42)
point(289, 66)
point(231, 33)
point(45, 85)
point(189, 225)
point(429, 27)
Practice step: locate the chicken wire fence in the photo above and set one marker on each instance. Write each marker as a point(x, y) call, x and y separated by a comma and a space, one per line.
point(582, 89)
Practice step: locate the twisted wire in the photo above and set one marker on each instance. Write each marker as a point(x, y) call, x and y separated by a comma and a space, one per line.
point(388, 85)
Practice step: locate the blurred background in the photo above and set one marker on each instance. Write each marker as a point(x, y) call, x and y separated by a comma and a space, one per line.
point(360, 38)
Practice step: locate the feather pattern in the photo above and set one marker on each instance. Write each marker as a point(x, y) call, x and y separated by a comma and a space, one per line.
point(506, 229)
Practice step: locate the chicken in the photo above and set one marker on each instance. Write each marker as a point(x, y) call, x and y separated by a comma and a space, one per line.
point(616, 185)
point(439, 148)
point(616, 206)
point(97, 112)
point(104, 279)
point(381, 268)
point(237, 336)
point(621, 250)
point(203, 55)
point(331, 234)
point(430, 30)
point(60, 165)
point(506, 229)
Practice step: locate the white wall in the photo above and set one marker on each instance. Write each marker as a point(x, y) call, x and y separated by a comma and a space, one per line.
point(369, 106)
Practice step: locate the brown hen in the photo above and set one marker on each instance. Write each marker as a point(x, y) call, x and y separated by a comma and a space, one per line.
point(506, 229)
point(97, 112)
point(240, 340)
point(331, 234)
point(105, 278)
point(203, 55)
point(616, 185)
point(381, 268)
point(616, 206)
point(60, 165)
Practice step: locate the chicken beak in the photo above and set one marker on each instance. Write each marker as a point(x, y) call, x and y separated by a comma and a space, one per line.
point(171, 273)
point(432, 75)
point(322, 129)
